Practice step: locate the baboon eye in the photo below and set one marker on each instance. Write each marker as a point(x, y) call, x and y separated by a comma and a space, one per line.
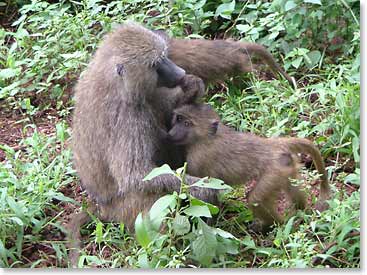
point(187, 123)
point(179, 118)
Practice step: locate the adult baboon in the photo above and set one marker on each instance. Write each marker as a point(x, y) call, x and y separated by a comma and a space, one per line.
point(214, 60)
point(216, 150)
point(116, 123)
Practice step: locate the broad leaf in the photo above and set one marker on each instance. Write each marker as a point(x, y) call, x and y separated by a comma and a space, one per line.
point(198, 211)
point(290, 5)
point(141, 232)
point(181, 225)
point(211, 183)
point(159, 210)
point(164, 169)
point(8, 73)
point(224, 234)
point(204, 246)
point(313, 1)
point(212, 208)
point(243, 28)
point(297, 62)
point(225, 10)
point(313, 58)
point(162, 204)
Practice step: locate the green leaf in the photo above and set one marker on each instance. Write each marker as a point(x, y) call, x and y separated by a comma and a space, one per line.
point(354, 178)
point(355, 147)
point(8, 73)
point(7, 149)
point(164, 169)
point(204, 246)
point(243, 28)
point(224, 234)
point(17, 220)
point(159, 209)
point(99, 232)
point(277, 242)
point(15, 207)
point(141, 232)
point(297, 62)
point(212, 208)
point(318, 2)
point(199, 5)
point(182, 196)
point(346, 229)
point(225, 10)
point(288, 227)
point(143, 261)
point(62, 197)
point(229, 246)
point(248, 242)
point(198, 211)
point(273, 35)
point(314, 58)
point(61, 132)
point(211, 183)
point(181, 225)
point(161, 205)
point(289, 5)
point(3, 252)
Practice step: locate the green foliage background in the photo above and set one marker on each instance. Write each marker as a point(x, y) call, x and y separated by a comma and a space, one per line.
point(45, 45)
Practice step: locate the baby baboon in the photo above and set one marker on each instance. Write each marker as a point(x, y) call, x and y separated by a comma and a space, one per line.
point(117, 122)
point(214, 60)
point(216, 150)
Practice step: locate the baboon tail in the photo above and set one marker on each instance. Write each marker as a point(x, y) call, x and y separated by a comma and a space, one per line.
point(262, 52)
point(73, 234)
point(301, 145)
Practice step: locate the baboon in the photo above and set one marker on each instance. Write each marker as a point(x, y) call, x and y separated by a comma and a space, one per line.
point(117, 121)
point(219, 151)
point(214, 60)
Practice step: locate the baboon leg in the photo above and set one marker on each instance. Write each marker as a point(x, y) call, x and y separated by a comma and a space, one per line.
point(262, 201)
point(297, 196)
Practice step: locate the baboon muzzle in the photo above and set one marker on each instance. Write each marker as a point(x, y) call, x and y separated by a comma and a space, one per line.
point(169, 74)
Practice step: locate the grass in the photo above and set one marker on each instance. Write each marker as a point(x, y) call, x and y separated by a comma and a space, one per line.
point(44, 48)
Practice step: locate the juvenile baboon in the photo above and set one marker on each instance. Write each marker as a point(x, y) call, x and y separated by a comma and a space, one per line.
point(216, 150)
point(214, 60)
point(118, 119)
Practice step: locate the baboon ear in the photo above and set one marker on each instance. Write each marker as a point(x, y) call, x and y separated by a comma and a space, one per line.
point(120, 69)
point(213, 127)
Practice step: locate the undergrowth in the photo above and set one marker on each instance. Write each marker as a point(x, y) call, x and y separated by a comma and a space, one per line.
point(45, 46)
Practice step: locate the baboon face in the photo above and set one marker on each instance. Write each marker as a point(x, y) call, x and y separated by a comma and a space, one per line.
point(151, 65)
point(189, 125)
point(183, 130)
point(163, 73)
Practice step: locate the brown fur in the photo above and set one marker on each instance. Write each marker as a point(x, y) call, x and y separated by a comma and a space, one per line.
point(117, 122)
point(214, 60)
point(216, 150)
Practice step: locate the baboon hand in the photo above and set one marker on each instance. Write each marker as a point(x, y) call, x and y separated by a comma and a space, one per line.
point(193, 87)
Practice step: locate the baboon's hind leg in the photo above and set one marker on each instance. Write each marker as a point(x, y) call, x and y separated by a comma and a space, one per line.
point(262, 201)
point(297, 196)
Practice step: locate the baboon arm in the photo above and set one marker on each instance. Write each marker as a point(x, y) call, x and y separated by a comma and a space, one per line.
point(162, 184)
point(215, 60)
point(170, 183)
point(210, 60)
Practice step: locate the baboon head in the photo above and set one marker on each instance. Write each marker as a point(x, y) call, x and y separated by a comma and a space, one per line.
point(192, 123)
point(140, 55)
